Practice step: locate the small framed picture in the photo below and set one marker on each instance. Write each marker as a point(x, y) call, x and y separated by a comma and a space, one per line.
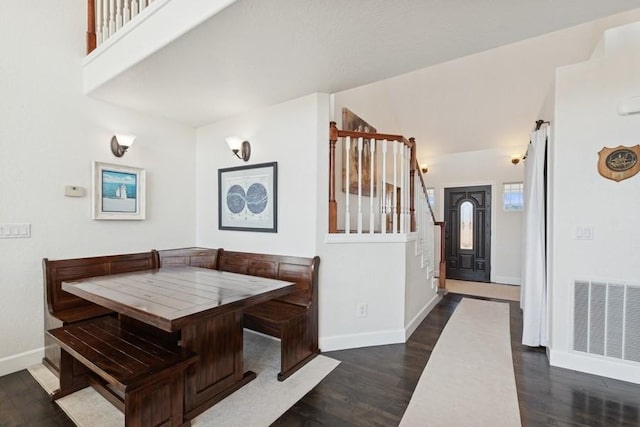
point(248, 198)
point(118, 192)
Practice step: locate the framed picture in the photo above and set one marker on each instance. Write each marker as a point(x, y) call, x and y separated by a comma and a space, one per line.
point(248, 198)
point(351, 121)
point(118, 192)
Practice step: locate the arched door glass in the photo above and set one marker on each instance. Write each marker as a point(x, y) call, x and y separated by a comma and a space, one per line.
point(466, 226)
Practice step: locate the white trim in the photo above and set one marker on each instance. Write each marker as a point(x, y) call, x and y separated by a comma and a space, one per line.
point(17, 362)
point(508, 280)
point(596, 365)
point(368, 339)
point(422, 314)
point(365, 339)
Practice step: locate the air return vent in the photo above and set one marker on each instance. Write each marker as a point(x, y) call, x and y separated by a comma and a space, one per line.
point(606, 319)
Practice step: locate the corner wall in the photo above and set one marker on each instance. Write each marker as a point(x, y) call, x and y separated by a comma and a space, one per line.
point(286, 133)
point(50, 134)
point(587, 96)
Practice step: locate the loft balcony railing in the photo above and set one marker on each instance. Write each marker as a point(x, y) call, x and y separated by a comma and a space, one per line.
point(106, 17)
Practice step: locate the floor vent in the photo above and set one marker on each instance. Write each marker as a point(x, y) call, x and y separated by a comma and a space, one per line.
point(606, 319)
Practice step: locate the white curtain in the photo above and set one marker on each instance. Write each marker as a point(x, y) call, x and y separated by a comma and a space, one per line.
point(533, 299)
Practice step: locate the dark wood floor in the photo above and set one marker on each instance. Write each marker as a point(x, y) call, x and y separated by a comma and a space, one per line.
point(372, 387)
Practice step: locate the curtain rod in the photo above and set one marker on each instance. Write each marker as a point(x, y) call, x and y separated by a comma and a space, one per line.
point(539, 123)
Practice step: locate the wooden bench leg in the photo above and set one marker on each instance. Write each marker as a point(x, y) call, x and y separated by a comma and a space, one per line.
point(298, 346)
point(73, 376)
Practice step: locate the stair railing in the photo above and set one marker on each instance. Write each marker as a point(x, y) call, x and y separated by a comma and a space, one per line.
point(106, 17)
point(400, 172)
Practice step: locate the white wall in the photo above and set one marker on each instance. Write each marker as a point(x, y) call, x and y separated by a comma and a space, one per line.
point(355, 273)
point(49, 136)
point(587, 97)
point(487, 167)
point(484, 105)
point(286, 133)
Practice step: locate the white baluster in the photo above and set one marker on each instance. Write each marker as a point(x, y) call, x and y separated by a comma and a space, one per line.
point(383, 190)
point(98, 10)
point(347, 156)
point(135, 9)
point(126, 12)
point(118, 14)
point(394, 206)
point(105, 20)
point(402, 188)
point(360, 142)
point(372, 146)
point(407, 221)
point(143, 4)
point(112, 17)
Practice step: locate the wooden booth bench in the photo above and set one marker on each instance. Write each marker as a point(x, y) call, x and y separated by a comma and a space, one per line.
point(64, 308)
point(139, 375)
point(292, 318)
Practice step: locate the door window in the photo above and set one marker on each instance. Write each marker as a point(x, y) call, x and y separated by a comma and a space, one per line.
point(466, 225)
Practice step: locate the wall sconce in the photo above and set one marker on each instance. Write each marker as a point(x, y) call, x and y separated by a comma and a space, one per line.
point(515, 160)
point(120, 143)
point(241, 148)
point(424, 169)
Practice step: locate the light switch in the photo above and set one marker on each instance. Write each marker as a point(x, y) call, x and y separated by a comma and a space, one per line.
point(15, 231)
point(584, 232)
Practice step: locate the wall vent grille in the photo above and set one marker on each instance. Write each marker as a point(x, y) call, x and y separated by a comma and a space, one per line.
point(606, 319)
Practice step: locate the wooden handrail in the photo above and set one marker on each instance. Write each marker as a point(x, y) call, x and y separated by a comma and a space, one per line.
point(91, 26)
point(334, 134)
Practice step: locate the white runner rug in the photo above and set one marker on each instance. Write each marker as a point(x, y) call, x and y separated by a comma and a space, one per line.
point(257, 404)
point(469, 379)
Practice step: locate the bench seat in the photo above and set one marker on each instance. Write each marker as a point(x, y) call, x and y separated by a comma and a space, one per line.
point(63, 308)
point(135, 372)
point(294, 317)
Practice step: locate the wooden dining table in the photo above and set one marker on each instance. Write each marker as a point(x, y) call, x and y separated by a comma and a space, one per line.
point(199, 308)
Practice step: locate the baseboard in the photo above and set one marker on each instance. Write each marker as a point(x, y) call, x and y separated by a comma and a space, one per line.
point(596, 365)
point(422, 314)
point(507, 280)
point(17, 362)
point(366, 339)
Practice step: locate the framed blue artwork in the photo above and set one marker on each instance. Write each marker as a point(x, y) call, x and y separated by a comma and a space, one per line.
point(248, 198)
point(118, 192)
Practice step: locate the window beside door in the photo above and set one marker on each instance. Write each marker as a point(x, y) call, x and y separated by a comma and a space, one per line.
point(513, 196)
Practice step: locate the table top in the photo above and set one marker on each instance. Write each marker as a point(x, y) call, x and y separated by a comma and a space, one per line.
point(171, 297)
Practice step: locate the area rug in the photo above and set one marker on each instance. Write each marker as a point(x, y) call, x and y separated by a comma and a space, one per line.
point(257, 404)
point(487, 290)
point(469, 378)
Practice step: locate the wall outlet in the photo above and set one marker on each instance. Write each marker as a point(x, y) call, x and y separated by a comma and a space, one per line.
point(362, 309)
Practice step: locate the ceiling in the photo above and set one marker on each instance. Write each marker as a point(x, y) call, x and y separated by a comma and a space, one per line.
point(256, 53)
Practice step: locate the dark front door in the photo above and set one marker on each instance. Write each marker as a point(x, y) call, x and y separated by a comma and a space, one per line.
point(468, 238)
